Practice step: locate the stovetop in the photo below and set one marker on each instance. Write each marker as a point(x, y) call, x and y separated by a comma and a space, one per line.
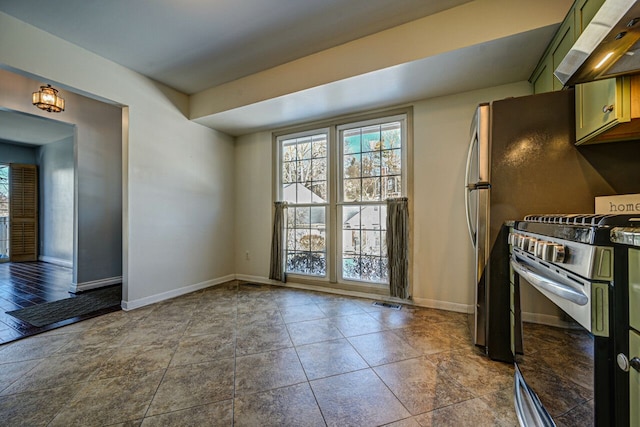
point(592, 229)
point(588, 220)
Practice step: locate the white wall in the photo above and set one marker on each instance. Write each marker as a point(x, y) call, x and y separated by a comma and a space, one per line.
point(442, 253)
point(254, 204)
point(178, 175)
point(443, 257)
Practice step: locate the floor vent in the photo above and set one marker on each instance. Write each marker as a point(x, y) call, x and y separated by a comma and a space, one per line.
point(387, 305)
point(251, 285)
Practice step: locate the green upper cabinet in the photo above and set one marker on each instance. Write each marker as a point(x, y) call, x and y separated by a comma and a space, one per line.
point(580, 14)
point(564, 39)
point(601, 105)
point(583, 13)
point(634, 289)
point(543, 79)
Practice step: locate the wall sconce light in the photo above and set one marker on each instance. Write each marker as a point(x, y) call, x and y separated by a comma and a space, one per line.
point(47, 99)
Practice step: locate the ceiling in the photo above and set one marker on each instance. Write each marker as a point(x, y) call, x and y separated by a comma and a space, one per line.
point(194, 45)
point(25, 129)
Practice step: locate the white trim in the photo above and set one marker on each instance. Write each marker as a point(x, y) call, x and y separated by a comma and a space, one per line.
point(444, 305)
point(545, 319)
point(294, 285)
point(100, 283)
point(141, 302)
point(419, 302)
point(56, 261)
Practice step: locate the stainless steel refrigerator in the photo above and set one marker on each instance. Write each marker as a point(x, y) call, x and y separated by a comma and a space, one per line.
point(522, 160)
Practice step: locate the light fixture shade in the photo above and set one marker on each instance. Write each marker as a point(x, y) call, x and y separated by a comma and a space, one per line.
point(47, 99)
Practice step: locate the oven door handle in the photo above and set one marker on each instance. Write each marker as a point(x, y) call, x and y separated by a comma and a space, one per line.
point(561, 290)
point(529, 409)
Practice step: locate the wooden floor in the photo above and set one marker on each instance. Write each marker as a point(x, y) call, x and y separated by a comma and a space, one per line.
point(31, 283)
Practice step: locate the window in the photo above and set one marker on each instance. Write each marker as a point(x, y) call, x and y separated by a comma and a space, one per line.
point(304, 186)
point(336, 182)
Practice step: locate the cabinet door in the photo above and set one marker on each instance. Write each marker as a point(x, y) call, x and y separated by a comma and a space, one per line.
point(562, 44)
point(634, 289)
point(543, 77)
point(583, 14)
point(634, 380)
point(600, 105)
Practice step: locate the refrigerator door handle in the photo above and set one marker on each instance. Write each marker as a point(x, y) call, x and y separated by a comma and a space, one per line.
point(469, 188)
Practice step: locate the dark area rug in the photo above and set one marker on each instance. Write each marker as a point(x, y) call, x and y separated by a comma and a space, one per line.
point(83, 303)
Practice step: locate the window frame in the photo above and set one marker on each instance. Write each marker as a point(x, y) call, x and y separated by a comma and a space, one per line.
point(326, 205)
point(341, 203)
point(333, 277)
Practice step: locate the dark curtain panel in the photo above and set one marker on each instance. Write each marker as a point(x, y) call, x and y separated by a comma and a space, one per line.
point(398, 246)
point(276, 270)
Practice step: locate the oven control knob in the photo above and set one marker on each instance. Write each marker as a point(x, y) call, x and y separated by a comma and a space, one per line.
point(545, 251)
point(531, 245)
point(559, 253)
point(524, 243)
point(513, 237)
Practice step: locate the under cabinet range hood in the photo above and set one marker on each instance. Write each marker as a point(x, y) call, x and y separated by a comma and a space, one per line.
point(609, 46)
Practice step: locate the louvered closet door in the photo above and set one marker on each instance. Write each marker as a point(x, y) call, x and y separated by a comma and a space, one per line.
point(23, 213)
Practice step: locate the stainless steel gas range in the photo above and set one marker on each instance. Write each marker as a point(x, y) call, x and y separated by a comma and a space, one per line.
point(582, 374)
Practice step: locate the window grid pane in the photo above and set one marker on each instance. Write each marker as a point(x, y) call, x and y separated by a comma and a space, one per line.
point(304, 169)
point(364, 242)
point(306, 240)
point(303, 184)
point(372, 163)
point(371, 173)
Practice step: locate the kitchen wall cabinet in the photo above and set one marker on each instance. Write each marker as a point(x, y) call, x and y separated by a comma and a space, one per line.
point(634, 335)
point(634, 381)
point(600, 105)
point(583, 13)
point(580, 14)
point(543, 79)
point(606, 111)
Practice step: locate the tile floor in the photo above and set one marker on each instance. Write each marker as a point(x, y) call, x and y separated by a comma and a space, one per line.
point(243, 355)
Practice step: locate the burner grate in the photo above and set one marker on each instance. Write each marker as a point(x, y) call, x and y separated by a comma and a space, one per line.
point(584, 220)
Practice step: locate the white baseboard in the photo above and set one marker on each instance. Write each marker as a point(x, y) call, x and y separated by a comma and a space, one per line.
point(56, 261)
point(257, 279)
point(100, 283)
point(141, 302)
point(420, 302)
point(444, 305)
point(306, 287)
point(545, 319)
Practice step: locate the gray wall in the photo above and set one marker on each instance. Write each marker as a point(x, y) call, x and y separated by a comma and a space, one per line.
point(99, 192)
point(10, 153)
point(56, 176)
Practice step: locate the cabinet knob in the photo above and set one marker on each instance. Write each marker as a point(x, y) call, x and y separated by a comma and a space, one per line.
point(624, 363)
point(607, 108)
